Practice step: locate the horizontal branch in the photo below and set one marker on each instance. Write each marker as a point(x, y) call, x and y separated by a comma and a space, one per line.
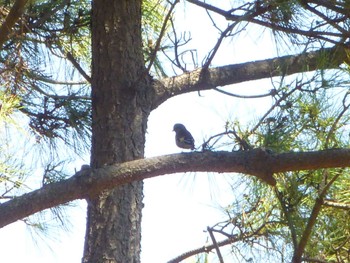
point(334, 204)
point(88, 183)
point(200, 79)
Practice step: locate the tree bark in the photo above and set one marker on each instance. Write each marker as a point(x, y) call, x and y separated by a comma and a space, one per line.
point(119, 114)
point(13, 16)
point(205, 79)
point(89, 183)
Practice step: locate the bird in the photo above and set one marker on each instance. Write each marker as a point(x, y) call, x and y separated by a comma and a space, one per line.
point(183, 137)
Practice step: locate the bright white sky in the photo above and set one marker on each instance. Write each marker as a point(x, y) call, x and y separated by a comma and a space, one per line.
point(177, 207)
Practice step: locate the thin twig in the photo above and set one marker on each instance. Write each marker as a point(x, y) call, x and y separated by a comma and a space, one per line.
point(215, 49)
point(161, 34)
point(78, 67)
point(251, 17)
point(176, 47)
point(286, 95)
point(240, 141)
point(217, 249)
point(63, 97)
point(230, 240)
point(272, 92)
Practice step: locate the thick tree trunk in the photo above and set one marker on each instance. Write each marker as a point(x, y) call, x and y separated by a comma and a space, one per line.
point(120, 111)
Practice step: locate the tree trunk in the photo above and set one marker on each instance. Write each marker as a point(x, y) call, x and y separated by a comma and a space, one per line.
point(119, 112)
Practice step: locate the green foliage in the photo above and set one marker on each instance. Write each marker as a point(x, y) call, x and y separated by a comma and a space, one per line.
point(153, 14)
point(282, 11)
point(305, 115)
point(316, 121)
point(35, 60)
point(52, 31)
point(44, 103)
point(8, 104)
point(309, 119)
point(43, 94)
point(11, 178)
point(45, 106)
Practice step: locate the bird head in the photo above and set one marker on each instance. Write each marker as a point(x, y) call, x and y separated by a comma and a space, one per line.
point(178, 127)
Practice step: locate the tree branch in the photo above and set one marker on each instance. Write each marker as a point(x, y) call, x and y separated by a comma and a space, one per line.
point(14, 14)
point(256, 15)
point(205, 79)
point(218, 253)
point(205, 249)
point(78, 67)
point(86, 183)
point(229, 240)
point(161, 35)
point(298, 252)
point(338, 205)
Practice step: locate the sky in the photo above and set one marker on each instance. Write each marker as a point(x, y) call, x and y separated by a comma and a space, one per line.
point(178, 208)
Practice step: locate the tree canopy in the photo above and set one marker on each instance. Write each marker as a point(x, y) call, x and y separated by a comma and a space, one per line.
point(82, 78)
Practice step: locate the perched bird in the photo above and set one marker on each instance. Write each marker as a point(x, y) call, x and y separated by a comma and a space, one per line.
point(183, 137)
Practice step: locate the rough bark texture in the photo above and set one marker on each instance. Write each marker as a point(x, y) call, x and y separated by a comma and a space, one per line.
point(118, 130)
point(204, 79)
point(122, 98)
point(88, 183)
point(13, 16)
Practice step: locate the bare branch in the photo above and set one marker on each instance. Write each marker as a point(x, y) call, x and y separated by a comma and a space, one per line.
point(55, 96)
point(161, 34)
point(215, 49)
point(210, 7)
point(78, 67)
point(271, 93)
point(329, 21)
point(204, 79)
point(89, 183)
point(241, 142)
point(177, 43)
point(276, 104)
point(231, 239)
point(217, 249)
point(255, 15)
point(205, 249)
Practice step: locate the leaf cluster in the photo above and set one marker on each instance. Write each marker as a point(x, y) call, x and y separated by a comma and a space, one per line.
point(305, 115)
point(312, 115)
point(45, 104)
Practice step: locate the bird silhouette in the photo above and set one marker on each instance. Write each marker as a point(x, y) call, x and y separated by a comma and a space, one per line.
point(183, 137)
